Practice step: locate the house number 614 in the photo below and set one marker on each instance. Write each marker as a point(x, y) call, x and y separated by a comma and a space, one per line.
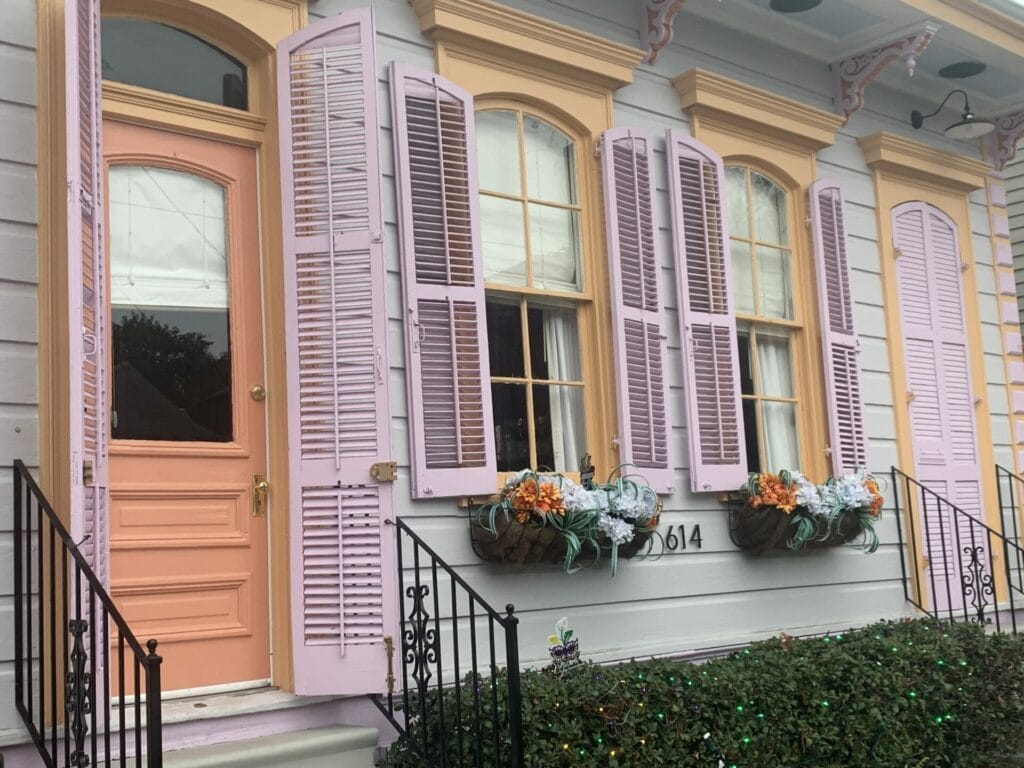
point(677, 541)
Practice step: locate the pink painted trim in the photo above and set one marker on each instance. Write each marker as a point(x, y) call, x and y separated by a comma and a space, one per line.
point(1004, 255)
point(1019, 430)
point(1018, 402)
point(1009, 312)
point(656, 25)
point(1015, 371)
point(1013, 343)
point(1002, 142)
point(1007, 284)
point(1000, 224)
point(996, 191)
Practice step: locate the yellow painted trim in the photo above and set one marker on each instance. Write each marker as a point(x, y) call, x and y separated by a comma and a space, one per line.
point(896, 184)
point(529, 40)
point(971, 16)
point(142, 106)
point(249, 30)
point(929, 167)
point(759, 114)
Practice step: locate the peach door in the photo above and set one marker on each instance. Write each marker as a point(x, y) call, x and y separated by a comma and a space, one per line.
point(188, 542)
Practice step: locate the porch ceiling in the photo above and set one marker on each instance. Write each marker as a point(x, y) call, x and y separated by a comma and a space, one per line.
point(837, 29)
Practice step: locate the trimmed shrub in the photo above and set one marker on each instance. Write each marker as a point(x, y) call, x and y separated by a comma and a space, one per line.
point(916, 694)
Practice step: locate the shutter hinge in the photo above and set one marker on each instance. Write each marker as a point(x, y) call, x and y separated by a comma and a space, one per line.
point(911, 395)
point(384, 471)
point(896, 252)
point(389, 649)
point(87, 476)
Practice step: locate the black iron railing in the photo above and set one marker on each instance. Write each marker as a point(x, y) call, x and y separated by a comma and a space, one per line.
point(454, 703)
point(86, 689)
point(1011, 505)
point(954, 564)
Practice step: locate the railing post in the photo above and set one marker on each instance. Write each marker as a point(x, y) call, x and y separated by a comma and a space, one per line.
point(899, 533)
point(154, 729)
point(19, 590)
point(515, 695)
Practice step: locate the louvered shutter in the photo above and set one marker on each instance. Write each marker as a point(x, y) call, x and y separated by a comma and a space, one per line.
point(718, 460)
point(447, 364)
point(627, 162)
point(87, 344)
point(938, 378)
point(838, 336)
point(343, 563)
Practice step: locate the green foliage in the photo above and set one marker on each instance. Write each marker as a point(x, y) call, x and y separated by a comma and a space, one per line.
point(917, 694)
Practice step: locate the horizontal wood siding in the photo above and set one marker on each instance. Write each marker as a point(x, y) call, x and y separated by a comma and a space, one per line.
point(18, 321)
point(717, 595)
point(1014, 175)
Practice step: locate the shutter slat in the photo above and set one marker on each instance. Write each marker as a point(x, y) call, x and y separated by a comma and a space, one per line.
point(718, 459)
point(840, 344)
point(627, 160)
point(343, 553)
point(447, 363)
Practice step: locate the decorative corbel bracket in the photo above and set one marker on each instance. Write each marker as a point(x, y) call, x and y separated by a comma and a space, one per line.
point(1002, 142)
point(656, 24)
point(852, 75)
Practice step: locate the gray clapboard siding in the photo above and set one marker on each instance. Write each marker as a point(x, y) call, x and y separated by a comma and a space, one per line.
point(1014, 175)
point(18, 275)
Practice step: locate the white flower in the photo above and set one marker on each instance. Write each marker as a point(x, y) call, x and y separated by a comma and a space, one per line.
point(616, 529)
point(808, 495)
point(575, 497)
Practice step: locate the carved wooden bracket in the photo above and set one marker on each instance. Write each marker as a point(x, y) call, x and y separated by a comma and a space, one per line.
point(852, 75)
point(1002, 142)
point(656, 24)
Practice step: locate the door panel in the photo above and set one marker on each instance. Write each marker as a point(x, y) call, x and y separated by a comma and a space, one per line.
point(941, 404)
point(188, 557)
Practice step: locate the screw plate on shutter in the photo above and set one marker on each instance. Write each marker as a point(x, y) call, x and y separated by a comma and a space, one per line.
point(384, 471)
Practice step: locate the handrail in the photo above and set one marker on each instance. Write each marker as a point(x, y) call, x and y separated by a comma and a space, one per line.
point(1010, 503)
point(63, 622)
point(951, 569)
point(431, 665)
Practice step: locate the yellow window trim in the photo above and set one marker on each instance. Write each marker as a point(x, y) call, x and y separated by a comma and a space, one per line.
point(934, 168)
point(905, 170)
point(760, 115)
point(249, 30)
point(528, 39)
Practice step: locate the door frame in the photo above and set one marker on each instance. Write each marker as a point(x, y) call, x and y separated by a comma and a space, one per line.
point(253, 42)
point(905, 171)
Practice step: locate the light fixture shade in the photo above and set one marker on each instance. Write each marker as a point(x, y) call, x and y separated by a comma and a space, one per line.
point(969, 128)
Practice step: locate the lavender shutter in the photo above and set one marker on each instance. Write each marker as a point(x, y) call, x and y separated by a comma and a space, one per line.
point(718, 460)
point(627, 160)
point(87, 347)
point(838, 336)
point(938, 378)
point(343, 563)
point(447, 365)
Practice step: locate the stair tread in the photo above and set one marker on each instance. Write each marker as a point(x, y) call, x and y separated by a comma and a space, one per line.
point(277, 749)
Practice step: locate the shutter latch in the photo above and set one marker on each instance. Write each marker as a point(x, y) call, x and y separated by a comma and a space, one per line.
point(384, 471)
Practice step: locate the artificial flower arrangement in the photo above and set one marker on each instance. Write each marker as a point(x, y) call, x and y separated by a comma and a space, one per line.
point(547, 517)
point(786, 510)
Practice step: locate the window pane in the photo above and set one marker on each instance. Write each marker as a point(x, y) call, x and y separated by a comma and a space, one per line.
point(497, 150)
point(561, 426)
point(170, 349)
point(504, 244)
point(505, 339)
point(776, 285)
point(774, 367)
point(742, 277)
point(511, 435)
point(750, 434)
point(156, 56)
point(554, 248)
point(780, 440)
point(746, 363)
point(554, 344)
point(736, 190)
point(769, 204)
point(550, 165)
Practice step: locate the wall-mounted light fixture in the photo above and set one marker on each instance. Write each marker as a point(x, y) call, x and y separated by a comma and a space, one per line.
point(967, 127)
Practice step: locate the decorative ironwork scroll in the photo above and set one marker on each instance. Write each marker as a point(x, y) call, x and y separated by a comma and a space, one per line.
point(656, 24)
point(78, 693)
point(977, 585)
point(1002, 142)
point(853, 74)
point(419, 640)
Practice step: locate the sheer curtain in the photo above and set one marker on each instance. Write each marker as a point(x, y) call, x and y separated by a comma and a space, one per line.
point(779, 419)
point(561, 347)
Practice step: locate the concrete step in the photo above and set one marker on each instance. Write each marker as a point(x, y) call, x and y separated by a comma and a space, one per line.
point(339, 746)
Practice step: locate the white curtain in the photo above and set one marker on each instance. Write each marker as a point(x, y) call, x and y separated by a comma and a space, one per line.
point(561, 346)
point(779, 419)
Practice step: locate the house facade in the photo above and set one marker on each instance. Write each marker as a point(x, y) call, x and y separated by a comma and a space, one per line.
point(277, 273)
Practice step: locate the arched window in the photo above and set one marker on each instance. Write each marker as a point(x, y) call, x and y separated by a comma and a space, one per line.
point(767, 317)
point(533, 272)
point(163, 58)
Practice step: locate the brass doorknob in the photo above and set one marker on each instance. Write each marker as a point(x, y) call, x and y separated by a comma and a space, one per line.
point(257, 392)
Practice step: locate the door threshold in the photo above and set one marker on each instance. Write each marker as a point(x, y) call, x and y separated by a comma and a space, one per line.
point(214, 690)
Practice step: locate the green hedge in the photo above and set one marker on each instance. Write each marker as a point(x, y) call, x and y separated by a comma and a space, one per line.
point(916, 694)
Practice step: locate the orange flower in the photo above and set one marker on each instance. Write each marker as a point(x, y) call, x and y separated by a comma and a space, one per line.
point(772, 492)
point(533, 498)
point(876, 496)
point(550, 499)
